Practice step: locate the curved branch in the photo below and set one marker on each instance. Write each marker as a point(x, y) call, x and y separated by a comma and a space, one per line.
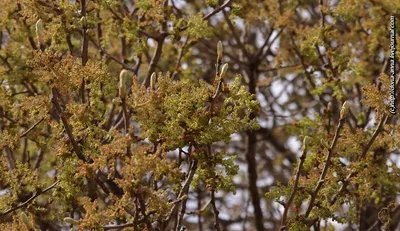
point(36, 194)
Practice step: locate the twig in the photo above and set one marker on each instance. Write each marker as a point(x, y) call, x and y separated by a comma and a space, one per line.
point(154, 59)
point(67, 127)
point(326, 167)
point(235, 36)
point(184, 192)
point(98, 47)
point(279, 68)
point(143, 211)
point(84, 48)
point(364, 152)
point(122, 226)
point(295, 188)
point(216, 212)
point(178, 63)
point(209, 15)
point(36, 194)
point(126, 124)
point(31, 128)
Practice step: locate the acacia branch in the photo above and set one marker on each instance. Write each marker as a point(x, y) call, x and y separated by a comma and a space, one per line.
point(36, 194)
point(178, 63)
point(363, 154)
point(122, 226)
point(216, 212)
point(104, 51)
point(6, 63)
point(67, 127)
point(209, 15)
point(183, 192)
point(31, 128)
point(154, 59)
point(326, 167)
point(84, 48)
point(235, 36)
point(126, 123)
point(294, 191)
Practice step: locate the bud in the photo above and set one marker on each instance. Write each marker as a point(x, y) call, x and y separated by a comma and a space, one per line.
point(305, 142)
point(153, 80)
point(26, 221)
point(125, 81)
point(220, 49)
point(71, 221)
point(39, 30)
point(329, 107)
point(224, 70)
point(345, 110)
point(324, 143)
point(116, 101)
point(83, 21)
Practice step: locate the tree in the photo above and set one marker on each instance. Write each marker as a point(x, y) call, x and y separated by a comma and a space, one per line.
point(119, 114)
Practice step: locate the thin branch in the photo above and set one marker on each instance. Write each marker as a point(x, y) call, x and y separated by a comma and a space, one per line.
point(279, 68)
point(126, 124)
point(31, 128)
point(36, 194)
point(67, 127)
point(235, 36)
point(209, 15)
point(98, 47)
point(154, 59)
point(374, 136)
point(122, 226)
point(178, 63)
point(84, 48)
point(294, 191)
point(326, 167)
point(216, 212)
point(184, 190)
point(6, 62)
point(363, 154)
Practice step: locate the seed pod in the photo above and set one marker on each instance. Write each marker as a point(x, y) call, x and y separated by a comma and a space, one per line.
point(345, 110)
point(153, 80)
point(39, 30)
point(224, 70)
point(220, 50)
point(71, 221)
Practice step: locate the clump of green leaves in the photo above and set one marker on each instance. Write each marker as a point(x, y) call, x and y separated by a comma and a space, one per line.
point(178, 114)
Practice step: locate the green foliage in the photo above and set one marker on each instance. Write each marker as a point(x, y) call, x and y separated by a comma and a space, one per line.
point(197, 27)
point(180, 114)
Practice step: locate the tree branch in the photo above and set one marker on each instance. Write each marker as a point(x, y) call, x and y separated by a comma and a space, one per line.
point(294, 191)
point(326, 166)
point(31, 128)
point(36, 194)
point(216, 212)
